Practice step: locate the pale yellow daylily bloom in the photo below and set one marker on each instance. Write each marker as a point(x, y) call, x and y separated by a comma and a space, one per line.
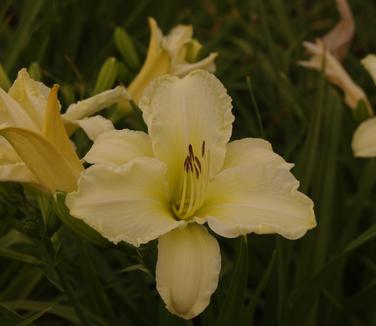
point(174, 54)
point(168, 184)
point(364, 139)
point(322, 60)
point(34, 146)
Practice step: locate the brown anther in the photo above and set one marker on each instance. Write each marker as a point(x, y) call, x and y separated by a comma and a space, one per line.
point(186, 164)
point(203, 149)
point(198, 163)
point(196, 171)
point(190, 150)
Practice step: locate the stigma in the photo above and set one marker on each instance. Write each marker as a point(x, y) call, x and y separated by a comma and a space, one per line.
point(194, 182)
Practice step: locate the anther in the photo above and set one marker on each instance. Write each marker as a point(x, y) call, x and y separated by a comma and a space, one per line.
point(203, 149)
point(198, 163)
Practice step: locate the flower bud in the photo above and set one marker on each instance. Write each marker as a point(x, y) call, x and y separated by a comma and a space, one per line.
point(126, 48)
point(107, 75)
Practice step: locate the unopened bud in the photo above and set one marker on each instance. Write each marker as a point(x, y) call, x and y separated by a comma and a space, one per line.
point(4, 80)
point(107, 75)
point(126, 48)
point(35, 71)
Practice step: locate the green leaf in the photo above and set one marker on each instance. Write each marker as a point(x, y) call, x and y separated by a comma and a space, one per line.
point(14, 255)
point(31, 319)
point(233, 304)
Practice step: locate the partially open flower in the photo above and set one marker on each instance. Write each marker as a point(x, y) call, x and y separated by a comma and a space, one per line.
point(175, 53)
point(168, 184)
point(322, 60)
point(36, 148)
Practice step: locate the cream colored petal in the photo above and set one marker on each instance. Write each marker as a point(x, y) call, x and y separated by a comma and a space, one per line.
point(54, 131)
point(95, 126)
point(257, 198)
point(188, 266)
point(47, 164)
point(119, 147)
point(364, 139)
point(16, 172)
point(12, 114)
point(252, 151)
point(336, 74)
point(157, 63)
point(188, 111)
point(11, 166)
point(206, 64)
point(175, 42)
point(94, 104)
point(337, 40)
point(125, 203)
point(369, 62)
point(31, 95)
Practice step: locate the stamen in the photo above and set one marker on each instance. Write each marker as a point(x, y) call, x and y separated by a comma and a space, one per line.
point(190, 150)
point(194, 183)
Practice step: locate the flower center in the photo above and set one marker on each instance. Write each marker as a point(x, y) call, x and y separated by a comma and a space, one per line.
point(194, 183)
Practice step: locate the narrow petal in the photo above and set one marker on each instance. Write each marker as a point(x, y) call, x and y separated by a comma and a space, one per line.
point(12, 114)
point(55, 132)
point(189, 111)
point(175, 42)
point(188, 266)
point(369, 62)
point(338, 39)
point(207, 64)
point(95, 126)
point(260, 198)
point(48, 165)
point(31, 95)
point(364, 140)
point(119, 147)
point(125, 203)
point(157, 63)
point(94, 104)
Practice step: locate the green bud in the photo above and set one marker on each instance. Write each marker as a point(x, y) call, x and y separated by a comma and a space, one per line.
point(77, 226)
point(193, 49)
point(107, 75)
point(4, 80)
point(126, 48)
point(35, 71)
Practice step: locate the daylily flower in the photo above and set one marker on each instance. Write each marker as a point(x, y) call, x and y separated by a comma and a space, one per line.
point(364, 140)
point(322, 60)
point(174, 54)
point(36, 148)
point(168, 184)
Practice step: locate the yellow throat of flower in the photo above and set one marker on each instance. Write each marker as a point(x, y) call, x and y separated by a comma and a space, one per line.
point(194, 183)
